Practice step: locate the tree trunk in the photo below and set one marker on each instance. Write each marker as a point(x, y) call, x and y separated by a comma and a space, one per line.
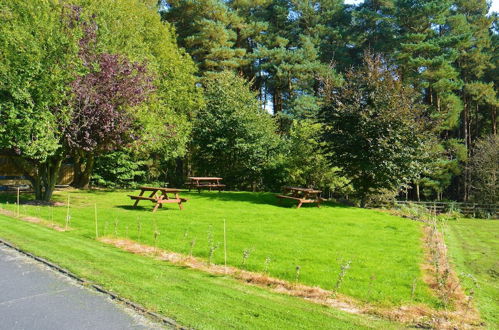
point(43, 176)
point(83, 181)
point(494, 120)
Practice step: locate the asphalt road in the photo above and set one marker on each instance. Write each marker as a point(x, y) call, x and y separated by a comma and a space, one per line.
point(33, 296)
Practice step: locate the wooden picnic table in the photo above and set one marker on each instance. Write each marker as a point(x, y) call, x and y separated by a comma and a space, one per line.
point(159, 196)
point(205, 182)
point(301, 195)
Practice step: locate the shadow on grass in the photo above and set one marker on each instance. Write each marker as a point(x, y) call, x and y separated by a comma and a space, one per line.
point(145, 207)
point(265, 198)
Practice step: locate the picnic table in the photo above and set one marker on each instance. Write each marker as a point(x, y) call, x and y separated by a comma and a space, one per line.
point(301, 195)
point(159, 196)
point(205, 182)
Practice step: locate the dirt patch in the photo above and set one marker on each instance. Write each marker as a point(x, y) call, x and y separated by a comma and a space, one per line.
point(42, 222)
point(415, 315)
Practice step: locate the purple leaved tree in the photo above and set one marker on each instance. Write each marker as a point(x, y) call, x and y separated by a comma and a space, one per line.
point(101, 119)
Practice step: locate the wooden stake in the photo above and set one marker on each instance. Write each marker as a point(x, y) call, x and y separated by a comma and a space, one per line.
point(18, 212)
point(96, 228)
point(225, 247)
point(67, 214)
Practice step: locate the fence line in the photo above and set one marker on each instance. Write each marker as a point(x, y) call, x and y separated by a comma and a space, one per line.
point(468, 209)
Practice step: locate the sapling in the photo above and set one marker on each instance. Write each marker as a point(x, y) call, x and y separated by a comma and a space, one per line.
point(372, 278)
point(212, 250)
point(155, 236)
point(192, 243)
point(297, 273)
point(139, 229)
point(413, 288)
point(343, 271)
point(68, 220)
point(115, 227)
point(212, 247)
point(105, 227)
point(126, 231)
point(266, 265)
point(246, 255)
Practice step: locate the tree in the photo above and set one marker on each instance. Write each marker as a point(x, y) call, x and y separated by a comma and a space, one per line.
point(208, 30)
point(38, 58)
point(42, 63)
point(303, 162)
point(484, 166)
point(233, 137)
point(101, 120)
point(372, 128)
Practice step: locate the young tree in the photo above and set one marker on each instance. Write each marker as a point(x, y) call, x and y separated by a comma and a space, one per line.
point(373, 129)
point(233, 137)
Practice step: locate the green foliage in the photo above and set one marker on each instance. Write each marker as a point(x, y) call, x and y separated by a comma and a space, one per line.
point(118, 169)
point(233, 137)
point(373, 130)
point(302, 162)
point(38, 58)
point(134, 29)
point(485, 170)
point(39, 61)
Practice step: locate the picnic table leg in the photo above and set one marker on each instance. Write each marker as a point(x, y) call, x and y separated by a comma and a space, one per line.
point(158, 203)
point(138, 200)
point(299, 204)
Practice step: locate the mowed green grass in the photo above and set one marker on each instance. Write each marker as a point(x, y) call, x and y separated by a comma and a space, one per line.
point(474, 250)
point(193, 298)
point(384, 251)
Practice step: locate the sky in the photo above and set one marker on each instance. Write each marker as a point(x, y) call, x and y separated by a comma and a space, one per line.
point(494, 7)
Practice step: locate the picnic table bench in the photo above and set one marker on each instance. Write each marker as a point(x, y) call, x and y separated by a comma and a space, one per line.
point(301, 195)
point(202, 182)
point(159, 196)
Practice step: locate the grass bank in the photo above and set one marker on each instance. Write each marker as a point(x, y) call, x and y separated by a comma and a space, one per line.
point(194, 299)
point(383, 252)
point(474, 250)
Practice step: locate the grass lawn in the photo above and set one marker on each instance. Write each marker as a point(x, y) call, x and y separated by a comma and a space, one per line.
point(385, 251)
point(192, 298)
point(474, 250)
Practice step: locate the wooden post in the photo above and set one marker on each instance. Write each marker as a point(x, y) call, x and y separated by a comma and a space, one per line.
point(67, 214)
point(96, 227)
point(225, 248)
point(18, 212)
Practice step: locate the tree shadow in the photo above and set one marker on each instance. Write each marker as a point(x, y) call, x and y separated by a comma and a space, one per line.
point(147, 208)
point(265, 198)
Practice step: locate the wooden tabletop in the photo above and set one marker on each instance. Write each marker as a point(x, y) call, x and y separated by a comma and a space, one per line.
point(309, 190)
point(204, 178)
point(160, 189)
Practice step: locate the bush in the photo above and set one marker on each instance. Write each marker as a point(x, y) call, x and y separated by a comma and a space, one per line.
point(118, 169)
